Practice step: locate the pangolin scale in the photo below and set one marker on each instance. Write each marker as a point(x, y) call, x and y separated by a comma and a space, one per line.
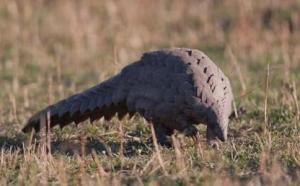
point(171, 88)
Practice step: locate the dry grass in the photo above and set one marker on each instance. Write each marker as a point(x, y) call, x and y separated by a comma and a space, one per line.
point(50, 49)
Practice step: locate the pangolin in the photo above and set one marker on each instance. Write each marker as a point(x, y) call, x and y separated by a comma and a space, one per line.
point(174, 89)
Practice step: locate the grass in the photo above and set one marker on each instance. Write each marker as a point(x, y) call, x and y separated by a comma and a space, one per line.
point(51, 49)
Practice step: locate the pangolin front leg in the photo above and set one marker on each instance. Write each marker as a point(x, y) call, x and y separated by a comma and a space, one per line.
point(211, 137)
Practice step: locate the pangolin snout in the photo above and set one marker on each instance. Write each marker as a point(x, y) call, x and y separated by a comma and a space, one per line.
point(220, 133)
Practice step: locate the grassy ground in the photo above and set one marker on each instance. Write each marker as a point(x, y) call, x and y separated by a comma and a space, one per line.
point(51, 49)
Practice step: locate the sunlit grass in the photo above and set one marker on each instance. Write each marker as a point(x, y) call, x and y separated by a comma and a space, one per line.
point(51, 49)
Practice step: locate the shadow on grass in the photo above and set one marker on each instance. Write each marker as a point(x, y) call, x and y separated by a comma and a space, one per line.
point(72, 147)
point(11, 143)
point(130, 148)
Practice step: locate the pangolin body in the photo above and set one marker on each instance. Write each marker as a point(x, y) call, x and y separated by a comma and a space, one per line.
point(171, 88)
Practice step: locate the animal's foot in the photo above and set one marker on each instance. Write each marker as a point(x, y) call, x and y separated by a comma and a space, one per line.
point(190, 131)
point(165, 141)
point(215, 143)
point(162, 135)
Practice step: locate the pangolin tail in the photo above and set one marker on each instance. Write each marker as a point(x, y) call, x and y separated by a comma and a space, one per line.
point(103, 100)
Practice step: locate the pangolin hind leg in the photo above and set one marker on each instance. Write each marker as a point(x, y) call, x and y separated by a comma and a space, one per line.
point(163, 134)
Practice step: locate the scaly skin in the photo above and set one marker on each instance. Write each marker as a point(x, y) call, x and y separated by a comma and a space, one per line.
point(172, 88)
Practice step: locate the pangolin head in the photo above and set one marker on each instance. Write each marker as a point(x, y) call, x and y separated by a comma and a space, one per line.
point(219, 125)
